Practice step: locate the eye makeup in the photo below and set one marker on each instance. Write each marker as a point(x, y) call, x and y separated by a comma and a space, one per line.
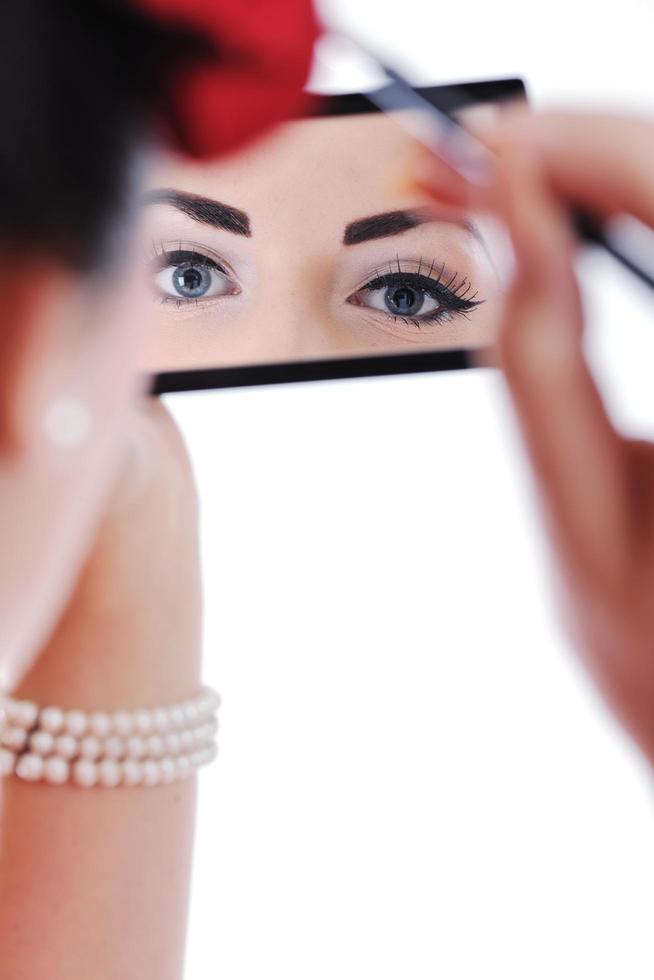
point(417, 298)
point(189, 273)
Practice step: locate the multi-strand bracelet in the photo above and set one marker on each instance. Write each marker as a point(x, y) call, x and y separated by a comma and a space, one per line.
point(121, 748)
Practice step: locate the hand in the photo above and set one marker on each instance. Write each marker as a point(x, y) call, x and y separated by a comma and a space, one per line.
point(597, 487)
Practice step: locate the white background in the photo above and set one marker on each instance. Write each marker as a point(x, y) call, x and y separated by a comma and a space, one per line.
point(414, 778)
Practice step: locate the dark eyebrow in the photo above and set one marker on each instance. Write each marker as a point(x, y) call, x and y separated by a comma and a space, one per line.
point(392, 223)
point(203, 209)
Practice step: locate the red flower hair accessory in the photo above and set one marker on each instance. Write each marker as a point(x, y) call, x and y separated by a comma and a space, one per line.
point(259, 55)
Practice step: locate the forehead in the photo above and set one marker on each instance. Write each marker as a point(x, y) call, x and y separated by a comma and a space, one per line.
point(323, 172)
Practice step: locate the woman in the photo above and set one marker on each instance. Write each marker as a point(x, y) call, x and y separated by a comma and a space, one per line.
point(99, 590)
point(95, 884)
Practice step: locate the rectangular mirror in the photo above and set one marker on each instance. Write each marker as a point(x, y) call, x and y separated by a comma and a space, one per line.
point(311, 254)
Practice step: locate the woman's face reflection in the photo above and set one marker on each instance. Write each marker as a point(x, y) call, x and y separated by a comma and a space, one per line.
point(311, 243)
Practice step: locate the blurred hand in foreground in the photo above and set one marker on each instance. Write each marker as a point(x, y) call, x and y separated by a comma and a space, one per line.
point(596, 486)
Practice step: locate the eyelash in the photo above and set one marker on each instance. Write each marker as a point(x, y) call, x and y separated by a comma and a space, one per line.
point(162, 258)
point(452, 295)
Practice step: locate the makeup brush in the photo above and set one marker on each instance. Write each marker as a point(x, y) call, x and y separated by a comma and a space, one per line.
point(624, 237)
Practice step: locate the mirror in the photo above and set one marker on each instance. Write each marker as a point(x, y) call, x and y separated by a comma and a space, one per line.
point(314, 245)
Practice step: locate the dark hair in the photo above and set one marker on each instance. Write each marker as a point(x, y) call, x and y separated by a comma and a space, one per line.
point(81, 82)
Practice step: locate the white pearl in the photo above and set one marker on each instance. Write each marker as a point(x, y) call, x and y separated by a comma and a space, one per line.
point(199, 735)
point(42, 742)
point(85, 772)
point(56, 770)
point(7, 762)
point(90, 747)
point(100, 724)
point(14, 738)
point(186, 739)
point(204, 707)
point(161, 721)
point(204, 755)
point(67, 422)
point(114, 747)
point(132, 772)
point(11, 710)
point(214, 699)
point(143, 722)
point(151, 772)
point(76, 723)
point(168, 770)
point(52, 720)
point(123, 723)
point(24, 713)
point(156, 746)
point(30, 767)
point(110, 772)
point(177, 717)
point(191, 714)
point(66, 746)
point(183, 766)
point(173, 743)
point(136, 747)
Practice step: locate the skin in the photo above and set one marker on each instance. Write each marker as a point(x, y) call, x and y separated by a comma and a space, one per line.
point(110, 620)
point(60, 339)
point(108, 648)
point(299, 285)
point(596, 486)
point(100, 609)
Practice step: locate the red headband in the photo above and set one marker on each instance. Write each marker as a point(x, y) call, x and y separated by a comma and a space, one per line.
point(263, 55)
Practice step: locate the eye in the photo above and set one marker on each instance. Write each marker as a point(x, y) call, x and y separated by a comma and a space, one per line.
point(402, 299)
point(186, 275)
point(418, 298)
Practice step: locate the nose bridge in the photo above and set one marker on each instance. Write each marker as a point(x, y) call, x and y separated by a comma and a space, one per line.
point(294, 308)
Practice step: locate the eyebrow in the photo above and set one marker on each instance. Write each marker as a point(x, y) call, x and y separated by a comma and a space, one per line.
point(203, 209)
point(394, 223)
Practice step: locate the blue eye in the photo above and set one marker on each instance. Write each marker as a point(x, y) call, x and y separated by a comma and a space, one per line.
point(420, 298)
point(185, 276)
point(191, 281)
point(406, 300)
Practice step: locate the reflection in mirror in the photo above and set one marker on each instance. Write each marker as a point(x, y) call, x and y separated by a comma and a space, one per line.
point(313, 243)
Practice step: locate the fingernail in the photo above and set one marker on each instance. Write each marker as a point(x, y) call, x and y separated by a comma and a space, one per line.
point(437, 179)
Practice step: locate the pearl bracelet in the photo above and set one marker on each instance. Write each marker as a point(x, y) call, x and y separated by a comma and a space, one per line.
point(108, 749)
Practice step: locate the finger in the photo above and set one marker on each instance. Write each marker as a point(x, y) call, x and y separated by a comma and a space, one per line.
point(599, 162)
point(577, 456)
point(602, 162)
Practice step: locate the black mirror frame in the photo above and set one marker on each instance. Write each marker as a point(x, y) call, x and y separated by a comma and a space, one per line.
point(448, 98)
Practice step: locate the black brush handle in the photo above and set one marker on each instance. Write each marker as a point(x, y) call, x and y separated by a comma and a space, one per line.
point(591, 229)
